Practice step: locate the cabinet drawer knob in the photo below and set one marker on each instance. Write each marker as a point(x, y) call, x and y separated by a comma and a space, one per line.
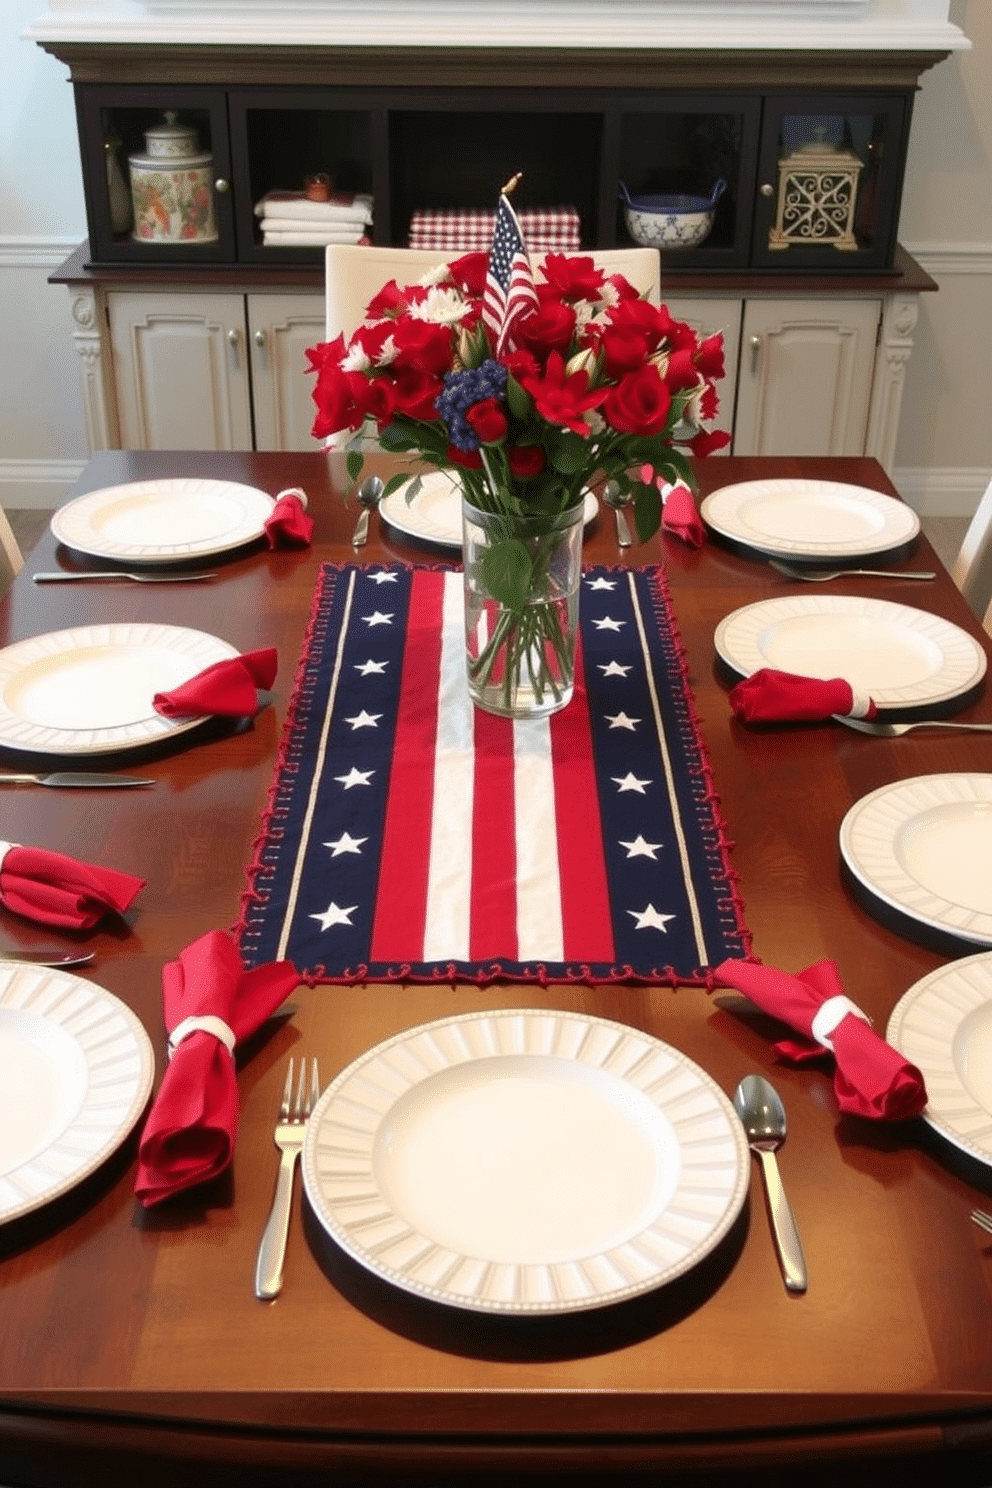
point(767, 189)
point(222, 185)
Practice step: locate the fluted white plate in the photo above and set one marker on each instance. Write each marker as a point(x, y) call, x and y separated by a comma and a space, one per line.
point(89, 690)
point(923, 846)
point(525, 1162)
point(810, 518)
point(163, 521)
point(943, 1024)
point(901, 656)
point(434, 513)
point(77, 1070)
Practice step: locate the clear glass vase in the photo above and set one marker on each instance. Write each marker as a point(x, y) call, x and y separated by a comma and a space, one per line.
point(521, 609)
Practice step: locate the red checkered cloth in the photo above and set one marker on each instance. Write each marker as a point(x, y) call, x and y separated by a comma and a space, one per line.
point(545, 230)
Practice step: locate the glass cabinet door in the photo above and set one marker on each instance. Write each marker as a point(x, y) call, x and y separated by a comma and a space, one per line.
point(157, 174)
point(829, 182)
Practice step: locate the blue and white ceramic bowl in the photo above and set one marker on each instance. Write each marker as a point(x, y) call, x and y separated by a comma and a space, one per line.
point(670, 221)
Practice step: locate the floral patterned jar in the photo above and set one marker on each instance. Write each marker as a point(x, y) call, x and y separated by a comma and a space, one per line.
point(172, 187)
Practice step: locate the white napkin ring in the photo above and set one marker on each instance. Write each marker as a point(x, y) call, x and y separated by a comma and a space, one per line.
point(5, 849)
point(296, 491)
point(832, 1013)
point(207, 1024)
point(861, 705)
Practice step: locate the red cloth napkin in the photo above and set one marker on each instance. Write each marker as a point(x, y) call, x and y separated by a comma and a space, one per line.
point(289, 526)
point(768, 696)
point(679, 517)
point(191, 1129)
point(227, 688)
point(870, 1077)
point(54, 889)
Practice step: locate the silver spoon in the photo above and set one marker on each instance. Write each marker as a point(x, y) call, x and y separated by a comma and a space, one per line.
point(821, 575)
point(613, 498)
point(762, 1116)
point(881, 730)
point(64, 576)
point(49, 958)
point(368, 495)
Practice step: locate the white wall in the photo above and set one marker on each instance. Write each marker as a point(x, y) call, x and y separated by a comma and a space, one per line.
point(944, 455)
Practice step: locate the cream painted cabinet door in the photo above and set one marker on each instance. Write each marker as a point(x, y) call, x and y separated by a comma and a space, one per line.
point(181, 370)
point(805, 379)
point(707, 315)
point(281, 327)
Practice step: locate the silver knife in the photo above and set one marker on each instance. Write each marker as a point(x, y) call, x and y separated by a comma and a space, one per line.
point(50, 958)
point(78, 779)
point(66, 577)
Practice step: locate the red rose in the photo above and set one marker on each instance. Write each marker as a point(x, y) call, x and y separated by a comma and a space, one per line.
point(680, 371)
point(414, 392)
point(573, 278)
point(469, 272)
point(640, 318)
point(676, 332)
point(549, 329)
point(468, 459)
point(639, 404)
point(488, 421)
point(422, 344)
point(563, 400)
point(624, 350)
point(525, 460)
point(709, 358)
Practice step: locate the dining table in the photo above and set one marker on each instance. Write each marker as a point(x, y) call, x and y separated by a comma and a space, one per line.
point(132, 1344)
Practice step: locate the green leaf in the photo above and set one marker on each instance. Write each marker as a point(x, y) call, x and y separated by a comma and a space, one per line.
point(393, 484)
point(570, 454)
point(518, 402)
point(394, 439)
point(354, 460)
point(647, 510)
point(506, 572)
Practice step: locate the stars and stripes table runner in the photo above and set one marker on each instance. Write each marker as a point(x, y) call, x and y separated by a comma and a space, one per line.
point(412, 837)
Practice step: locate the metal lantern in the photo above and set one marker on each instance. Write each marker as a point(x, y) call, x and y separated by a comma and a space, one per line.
point(817, 195)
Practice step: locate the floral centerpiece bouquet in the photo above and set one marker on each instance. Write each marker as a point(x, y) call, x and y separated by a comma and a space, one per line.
point(527, 391)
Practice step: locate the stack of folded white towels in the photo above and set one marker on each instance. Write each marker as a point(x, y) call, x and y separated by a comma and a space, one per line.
point(291, 219)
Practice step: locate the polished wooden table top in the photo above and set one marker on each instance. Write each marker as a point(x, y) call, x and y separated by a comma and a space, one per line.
point(133, 1337)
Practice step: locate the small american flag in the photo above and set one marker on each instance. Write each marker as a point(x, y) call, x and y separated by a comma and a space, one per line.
point(510, 291)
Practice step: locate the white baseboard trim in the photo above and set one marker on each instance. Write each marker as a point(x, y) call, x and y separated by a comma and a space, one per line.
point(941, 493)
point(37, 485)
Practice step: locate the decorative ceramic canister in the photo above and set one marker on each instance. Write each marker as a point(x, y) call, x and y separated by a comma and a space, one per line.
point(172, 187)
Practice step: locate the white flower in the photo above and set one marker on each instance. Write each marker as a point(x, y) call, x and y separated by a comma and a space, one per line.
point(609, 295)
point(595, 420)
point(388, 352)
point(437, 275)
point(441, 307)
point(357, 359)
point(692, 413)
point(584, 312)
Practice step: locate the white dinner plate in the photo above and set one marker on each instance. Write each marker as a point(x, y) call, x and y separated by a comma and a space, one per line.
point(810, 519)
point(943, 1025)
point(90, 690)
point(901, 656)
point(435, 514)
point(525, 1162)
point(77, 1069)
point(163, 521)
point(924, 846)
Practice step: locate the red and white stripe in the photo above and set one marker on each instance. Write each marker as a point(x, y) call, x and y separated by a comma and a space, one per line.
point(489, 822)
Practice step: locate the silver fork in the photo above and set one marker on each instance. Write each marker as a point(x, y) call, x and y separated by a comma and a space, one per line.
point(896, 730)
point(822, 575)
point(983, 1220)
point(291, 1128)
point(64, 576)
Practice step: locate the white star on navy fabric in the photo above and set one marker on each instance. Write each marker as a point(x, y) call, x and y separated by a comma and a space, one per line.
point(348, 844)
point(334, 915)
point(620, 720)
point(383, 578)
point(650, 919)
point(366, 667)
point(615, 669)
point(364, 720)
point(602, 583)
point(630, 782)
point(609, 624)
point(641, 849)
point(377, 618)
point(355, 777)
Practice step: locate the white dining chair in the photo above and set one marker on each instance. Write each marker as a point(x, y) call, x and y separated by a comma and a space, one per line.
point(353, 274)
point(11, 558)
point(972, 570)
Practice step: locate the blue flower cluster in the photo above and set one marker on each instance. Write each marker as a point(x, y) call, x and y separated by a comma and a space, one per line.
point(462, 390)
